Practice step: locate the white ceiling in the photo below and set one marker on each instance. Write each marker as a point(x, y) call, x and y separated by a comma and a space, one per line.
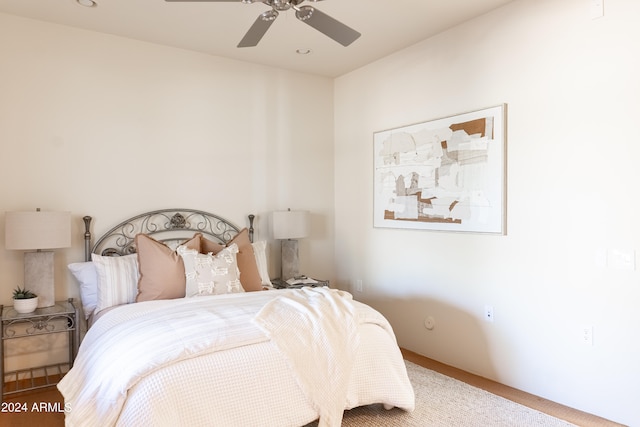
point(217, 27)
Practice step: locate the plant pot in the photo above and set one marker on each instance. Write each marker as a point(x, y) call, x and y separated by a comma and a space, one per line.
point(24, 306)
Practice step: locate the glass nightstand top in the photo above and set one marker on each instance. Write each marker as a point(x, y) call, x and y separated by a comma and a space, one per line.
point(60, 307)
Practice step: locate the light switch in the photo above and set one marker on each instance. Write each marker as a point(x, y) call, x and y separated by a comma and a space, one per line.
point(621, 259)
point(597, 9)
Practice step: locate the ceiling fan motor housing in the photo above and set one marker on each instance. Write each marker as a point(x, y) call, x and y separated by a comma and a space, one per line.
point(282, 5)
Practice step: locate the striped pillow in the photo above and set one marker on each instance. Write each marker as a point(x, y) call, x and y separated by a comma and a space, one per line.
point(117, 280)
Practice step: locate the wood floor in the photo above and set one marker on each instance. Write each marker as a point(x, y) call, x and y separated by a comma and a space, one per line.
point(574, 416)
point(54, 418)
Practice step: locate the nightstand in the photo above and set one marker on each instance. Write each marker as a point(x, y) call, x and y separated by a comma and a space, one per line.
point(61, 317)
point(303, 281)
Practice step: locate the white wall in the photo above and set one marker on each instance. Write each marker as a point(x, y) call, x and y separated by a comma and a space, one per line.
point(110, 127)
point(573, 93)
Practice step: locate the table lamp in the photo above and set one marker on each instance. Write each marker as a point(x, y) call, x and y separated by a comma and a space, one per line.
point(288, 226)
point(35, 232)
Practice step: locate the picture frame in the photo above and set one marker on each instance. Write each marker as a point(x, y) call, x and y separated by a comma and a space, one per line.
point(447, 174)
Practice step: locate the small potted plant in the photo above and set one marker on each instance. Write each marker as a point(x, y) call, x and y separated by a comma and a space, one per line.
point(24, 301)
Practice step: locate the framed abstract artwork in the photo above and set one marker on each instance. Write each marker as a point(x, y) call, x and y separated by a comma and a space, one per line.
point(447, 174)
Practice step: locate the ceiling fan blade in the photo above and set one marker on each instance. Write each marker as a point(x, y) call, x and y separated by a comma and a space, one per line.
point(327, 25)
point(258, 29)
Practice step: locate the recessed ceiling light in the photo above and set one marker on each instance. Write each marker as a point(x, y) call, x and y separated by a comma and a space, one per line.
point(87, 3)
point(303, 51)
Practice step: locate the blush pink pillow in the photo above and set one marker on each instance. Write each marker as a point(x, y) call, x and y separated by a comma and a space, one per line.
point(161, 268)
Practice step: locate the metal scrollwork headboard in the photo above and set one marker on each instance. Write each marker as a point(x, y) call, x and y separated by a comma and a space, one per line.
point(165, 225)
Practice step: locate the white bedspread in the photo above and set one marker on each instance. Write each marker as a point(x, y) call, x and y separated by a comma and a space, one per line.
point(321, 322)
point(115, 354)
point(153, 363)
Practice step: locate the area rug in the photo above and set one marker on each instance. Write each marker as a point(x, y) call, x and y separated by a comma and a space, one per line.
point(443, 401)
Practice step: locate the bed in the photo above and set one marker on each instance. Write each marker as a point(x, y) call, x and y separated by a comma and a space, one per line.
point(185, 330)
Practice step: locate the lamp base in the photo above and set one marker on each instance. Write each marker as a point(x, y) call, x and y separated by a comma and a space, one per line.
point(289, 259)
point(38, 276)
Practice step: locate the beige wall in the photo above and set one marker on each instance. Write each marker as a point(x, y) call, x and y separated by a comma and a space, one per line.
point(573, 94)
point(110, 127)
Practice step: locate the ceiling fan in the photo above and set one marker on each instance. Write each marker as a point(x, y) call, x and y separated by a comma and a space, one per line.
point(307, 14)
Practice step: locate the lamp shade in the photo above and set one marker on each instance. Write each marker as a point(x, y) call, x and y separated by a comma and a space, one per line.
point(37, 230)
point(290, 224)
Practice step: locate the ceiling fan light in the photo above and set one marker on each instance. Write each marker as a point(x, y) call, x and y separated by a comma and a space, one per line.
point(280, 5)
point(303, 13)
point(269, 15)
point(247, 1)
point(87, 3)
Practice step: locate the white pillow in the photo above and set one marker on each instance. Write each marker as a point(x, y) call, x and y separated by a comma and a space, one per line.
point(260, 251)
point(208, 274)
point(87, 277)
point(117, 280)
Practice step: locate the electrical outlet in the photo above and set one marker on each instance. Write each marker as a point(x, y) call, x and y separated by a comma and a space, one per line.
point(587, 335)
point(359, 285)
point(488, 313)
